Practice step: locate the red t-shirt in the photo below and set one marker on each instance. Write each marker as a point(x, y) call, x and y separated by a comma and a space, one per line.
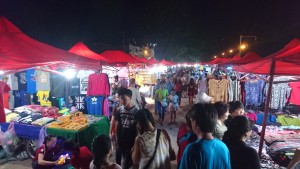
point(4, 88)
point(83, 159)
point(5, 100)
point(295, 95)
point(48, 156)
point(182, 142)
point(178, 87)
point(98, 85)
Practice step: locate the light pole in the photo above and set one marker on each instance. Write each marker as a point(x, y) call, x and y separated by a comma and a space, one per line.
point(241, 38)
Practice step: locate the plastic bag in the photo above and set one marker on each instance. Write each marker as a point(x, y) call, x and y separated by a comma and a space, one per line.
point(42, 135)
point(9, 139)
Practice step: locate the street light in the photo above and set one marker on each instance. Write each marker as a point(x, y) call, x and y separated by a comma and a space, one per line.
point(230, 51)
point(223, 54)
point(242, 47)
point(146, 52)
point(241, 38)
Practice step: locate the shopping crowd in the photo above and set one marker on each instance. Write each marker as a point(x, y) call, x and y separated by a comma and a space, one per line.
point(213, 136)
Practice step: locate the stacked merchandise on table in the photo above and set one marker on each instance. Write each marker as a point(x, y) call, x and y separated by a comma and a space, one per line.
point(76, 121)
point(282, 142)
point(265, 161)
point(33, 115)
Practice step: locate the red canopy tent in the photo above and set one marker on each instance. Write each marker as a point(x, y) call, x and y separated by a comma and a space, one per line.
point(117, 56)
point(234, 59)
point(166, 63)
point(153, 61)
point(19, 51)
point(287, 61)
point(81, 49)
point(248, 58)
point(215, 61)
point(284, 62)
point(142, 59)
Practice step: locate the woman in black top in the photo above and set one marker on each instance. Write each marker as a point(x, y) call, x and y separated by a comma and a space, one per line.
point(242, 156)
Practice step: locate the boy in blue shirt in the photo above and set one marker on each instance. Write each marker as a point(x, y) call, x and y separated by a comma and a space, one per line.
point(207, 152)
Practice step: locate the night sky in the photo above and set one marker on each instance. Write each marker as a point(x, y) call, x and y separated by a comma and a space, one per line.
point(184, 30)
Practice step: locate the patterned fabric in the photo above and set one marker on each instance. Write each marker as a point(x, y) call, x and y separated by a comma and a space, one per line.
point(254, 92)
point(233, 90)
point(265, 161)
point(280, 93)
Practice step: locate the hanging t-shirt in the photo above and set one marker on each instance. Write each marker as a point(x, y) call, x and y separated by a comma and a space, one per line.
point(23, 98)
point(22, 83)
point(74, 87)
point(31, 81)
point(17, 98)
point(9, 79)
point(94, 105)
point(6, 100)
point(80, 103)
point(62, 103)
point(54, 101)
point(58, 85)
point(295, 97)
point(98, 84)
point(83, 75)
point(42, 80)
point(11, 100)
point(4, 88)
point(13, 82)
point(43, 97)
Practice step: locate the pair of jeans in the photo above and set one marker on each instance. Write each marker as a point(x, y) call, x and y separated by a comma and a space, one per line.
point(179, 96)
point(125, 154)
point(162, 111)
point(156, 106)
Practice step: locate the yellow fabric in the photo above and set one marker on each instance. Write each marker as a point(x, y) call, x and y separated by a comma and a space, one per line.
point(10, 116)
point(218, 89)
point(139, 80)
point(43, 97)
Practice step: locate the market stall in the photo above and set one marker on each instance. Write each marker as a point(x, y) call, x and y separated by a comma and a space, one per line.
point(35, 88)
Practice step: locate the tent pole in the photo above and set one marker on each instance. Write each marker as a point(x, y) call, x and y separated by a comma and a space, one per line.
point(267, 105)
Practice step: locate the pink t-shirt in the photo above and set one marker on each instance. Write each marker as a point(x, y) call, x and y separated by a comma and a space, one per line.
point(295, 96)
point(98, 85)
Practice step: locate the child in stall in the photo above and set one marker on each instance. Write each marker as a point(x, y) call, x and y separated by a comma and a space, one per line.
point(173, 105)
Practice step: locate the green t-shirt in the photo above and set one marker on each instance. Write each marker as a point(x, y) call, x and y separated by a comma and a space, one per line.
point(162, 94)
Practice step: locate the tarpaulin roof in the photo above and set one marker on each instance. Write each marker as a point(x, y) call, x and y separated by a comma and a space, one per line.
point(248, 58)
point(19, 51)
point(142, 59)
point(81, 49)
point(233, 59)
point(153, 61)
point(218, 61)
point(117, 56)
point(287, 61)
point(164, 62)
point(215, 61)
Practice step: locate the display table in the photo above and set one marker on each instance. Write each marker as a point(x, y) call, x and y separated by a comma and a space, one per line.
point(24, 131)
point(84, 137)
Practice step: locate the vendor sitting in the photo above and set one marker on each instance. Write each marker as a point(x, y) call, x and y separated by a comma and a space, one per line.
point(81, 156)
point(44, 156)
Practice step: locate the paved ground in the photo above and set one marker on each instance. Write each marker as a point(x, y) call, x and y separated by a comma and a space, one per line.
point(171, 129)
